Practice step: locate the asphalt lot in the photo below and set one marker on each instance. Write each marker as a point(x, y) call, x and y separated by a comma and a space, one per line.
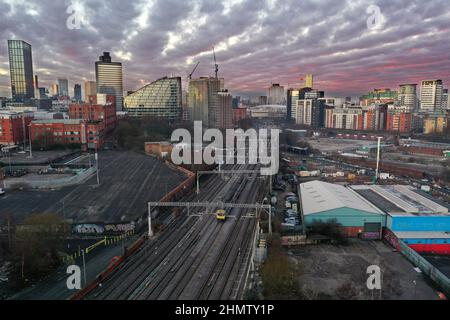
point(128, 180)
point(328, 267)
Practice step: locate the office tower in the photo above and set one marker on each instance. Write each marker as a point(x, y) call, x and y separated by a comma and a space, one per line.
point(431, 95)
point(54, 90)
point(161, 98)
point(21, 70)
point(407, 96)
point(63, 85)
point(36, 87)
point(309, 81)
point(292, 97)
point(77, 92)
point(276, 94)
point(203, 100)
point(90, 89)
point(109, 78)
point(225, 117)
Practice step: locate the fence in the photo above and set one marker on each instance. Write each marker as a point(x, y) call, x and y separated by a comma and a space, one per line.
point(427, 268)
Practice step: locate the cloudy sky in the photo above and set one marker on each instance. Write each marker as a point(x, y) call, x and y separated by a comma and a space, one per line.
point(257, 41)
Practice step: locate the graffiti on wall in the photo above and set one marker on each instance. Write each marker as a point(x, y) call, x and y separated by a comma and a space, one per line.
point(103, 228)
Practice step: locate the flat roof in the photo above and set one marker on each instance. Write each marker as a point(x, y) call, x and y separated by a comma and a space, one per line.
point(422, 234)
point(401, 200)
point(318, 196)
point(65, 121)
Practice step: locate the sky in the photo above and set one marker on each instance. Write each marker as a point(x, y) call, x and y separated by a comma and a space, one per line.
point(349, 46)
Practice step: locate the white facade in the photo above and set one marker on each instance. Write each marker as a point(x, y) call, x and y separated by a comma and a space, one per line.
point(407, 96)
point(431, 95)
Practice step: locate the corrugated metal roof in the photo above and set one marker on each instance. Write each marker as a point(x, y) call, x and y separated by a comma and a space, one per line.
point(404, 197)
point(319, 196)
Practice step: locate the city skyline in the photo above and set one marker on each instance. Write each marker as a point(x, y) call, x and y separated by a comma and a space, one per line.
point(347, 59)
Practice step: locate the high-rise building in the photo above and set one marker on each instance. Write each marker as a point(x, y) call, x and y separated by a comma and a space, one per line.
point(378, 96)
point(445, 101)
point(225, 118)
point(90, 89)
point(343, 117)
point(109, 78)
point(54, 90)
point(63, 85)
point(161, 98)
point(21, 70)
point(276, 94)
point(309, 81)
point(36, 87)
point(292, 97)
point(399, 118)
point(407, 96)
point(203, 100)
point(431, 95)
point(262, 100)
point(309, 112)
point(42, 93)
point(77, 92)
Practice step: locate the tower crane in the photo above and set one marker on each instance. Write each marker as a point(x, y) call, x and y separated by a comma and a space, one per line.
point(216, 66)
point(195, 68)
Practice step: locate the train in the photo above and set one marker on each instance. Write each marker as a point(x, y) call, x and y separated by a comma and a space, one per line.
point(221, 215)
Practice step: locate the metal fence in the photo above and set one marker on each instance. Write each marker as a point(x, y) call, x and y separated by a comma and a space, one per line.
point(427, 268)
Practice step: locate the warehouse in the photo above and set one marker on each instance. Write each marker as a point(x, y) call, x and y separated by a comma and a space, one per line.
point(413, 217)
point(323, 201)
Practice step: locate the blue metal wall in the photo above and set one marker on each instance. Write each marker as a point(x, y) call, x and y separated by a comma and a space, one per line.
point(419, 223)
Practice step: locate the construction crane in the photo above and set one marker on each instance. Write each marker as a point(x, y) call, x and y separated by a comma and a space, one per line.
point(195, 68)
point(216, 66)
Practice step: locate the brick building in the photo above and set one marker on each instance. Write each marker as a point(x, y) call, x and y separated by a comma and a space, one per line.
point(87, 134)
point(13, 126)
point(99, 108)
point(399, 119)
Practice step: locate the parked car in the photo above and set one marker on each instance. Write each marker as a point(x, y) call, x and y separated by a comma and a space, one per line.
point(2, 192)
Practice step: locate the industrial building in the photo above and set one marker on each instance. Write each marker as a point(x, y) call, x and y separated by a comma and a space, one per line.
point(322, 201)
point(413, 217)
point(400, 211)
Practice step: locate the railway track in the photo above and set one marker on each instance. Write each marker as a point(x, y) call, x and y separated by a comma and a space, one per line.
point(194, 257)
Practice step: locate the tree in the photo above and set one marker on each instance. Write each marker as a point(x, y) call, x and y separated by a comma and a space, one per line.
point(36, 247)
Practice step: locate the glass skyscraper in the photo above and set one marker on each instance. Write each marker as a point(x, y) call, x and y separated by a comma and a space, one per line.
point(161, 98)
point(108, 75)
point(21, 70)
point(63, 85)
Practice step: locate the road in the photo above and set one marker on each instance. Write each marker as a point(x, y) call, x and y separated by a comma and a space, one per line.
point(196, 256)
point(54, 287)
